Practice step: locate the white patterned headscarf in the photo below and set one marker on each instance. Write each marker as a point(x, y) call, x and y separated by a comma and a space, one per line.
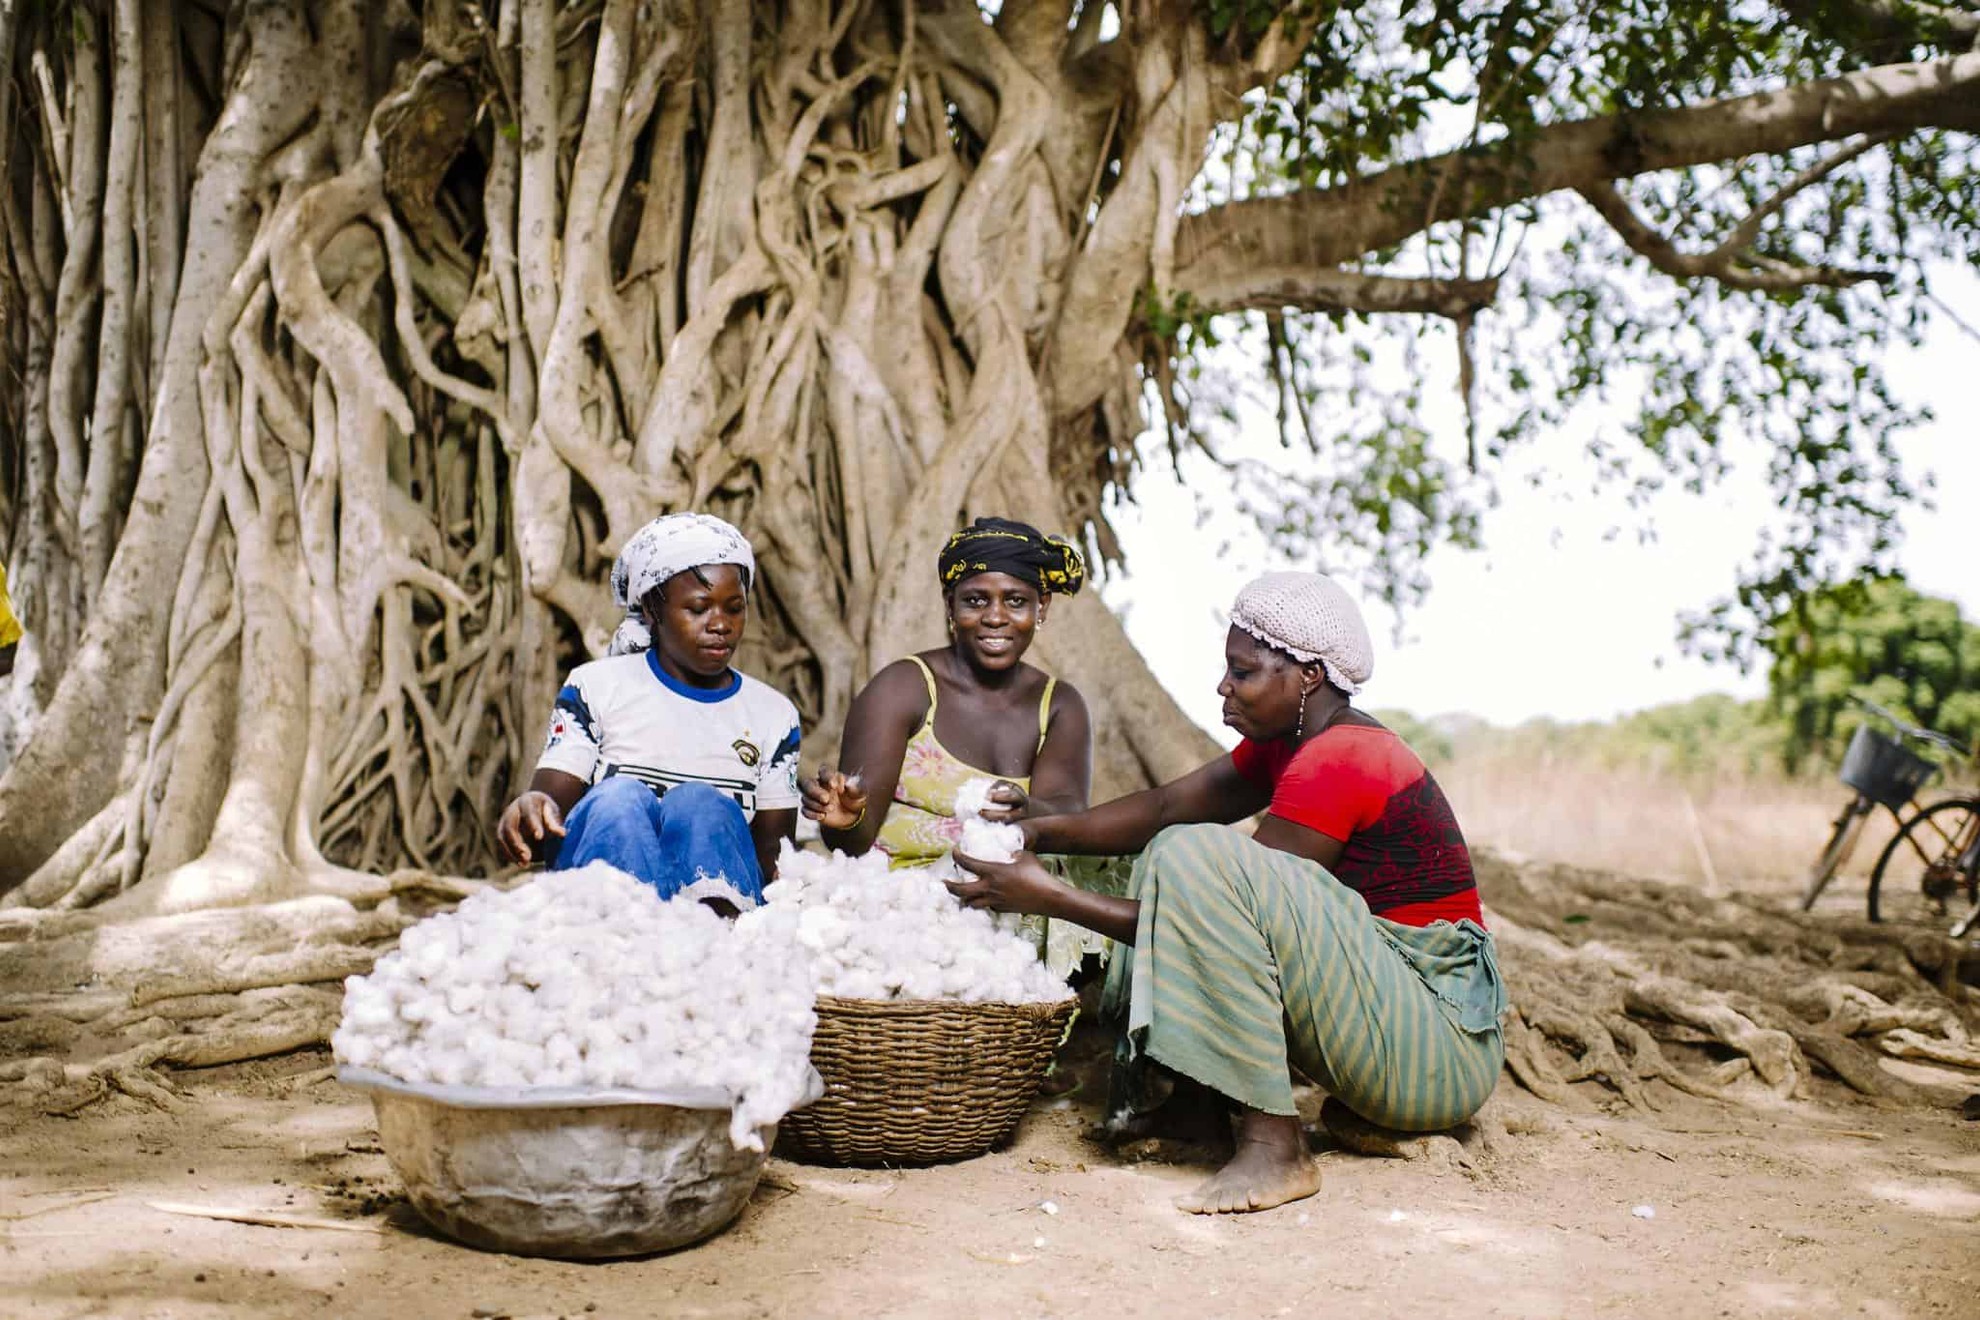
point(666, 546)
point(1310, 618)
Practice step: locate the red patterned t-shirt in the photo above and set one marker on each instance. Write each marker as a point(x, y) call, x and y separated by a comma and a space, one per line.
point(1362, 785)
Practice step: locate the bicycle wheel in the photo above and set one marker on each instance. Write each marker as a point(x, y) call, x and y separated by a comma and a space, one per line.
point(1925, 870)
point(1842, 842)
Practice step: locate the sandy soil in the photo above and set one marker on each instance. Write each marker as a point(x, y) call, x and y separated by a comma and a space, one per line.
point(1817, 1208)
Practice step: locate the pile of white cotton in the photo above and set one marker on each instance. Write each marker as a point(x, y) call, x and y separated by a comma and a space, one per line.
point(589, 979)
point(878, 934)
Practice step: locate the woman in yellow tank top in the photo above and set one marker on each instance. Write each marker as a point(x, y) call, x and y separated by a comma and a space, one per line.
point(928, 724)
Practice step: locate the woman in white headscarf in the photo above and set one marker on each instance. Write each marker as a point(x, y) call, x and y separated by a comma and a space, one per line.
point(1344, 938)
point(661, 758)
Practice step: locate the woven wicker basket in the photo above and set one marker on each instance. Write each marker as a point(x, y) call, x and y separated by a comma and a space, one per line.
point(921, 1081)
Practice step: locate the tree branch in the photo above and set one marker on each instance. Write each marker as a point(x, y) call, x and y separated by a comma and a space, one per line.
point(1729, 263)
point(1322, 228)
point(1330, 289)
point(1749, 228)
point(1891, 22)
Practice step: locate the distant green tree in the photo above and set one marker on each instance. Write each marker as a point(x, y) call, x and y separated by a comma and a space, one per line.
point(1709, 734)
point(1423, 736)
point(1878, 638)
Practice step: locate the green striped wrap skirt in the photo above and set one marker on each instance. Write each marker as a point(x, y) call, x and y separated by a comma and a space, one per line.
point(1249, 961)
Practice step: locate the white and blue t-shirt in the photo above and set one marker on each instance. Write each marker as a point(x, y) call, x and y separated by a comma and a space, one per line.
point(625, 715)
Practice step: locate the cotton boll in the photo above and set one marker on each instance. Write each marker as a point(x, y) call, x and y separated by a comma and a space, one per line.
point(531, 1026)
point(503, 1073)
point(355, 1047)
point(417, 1067)
point(445, 1035)
point(598, 1037)
point(629, 1023)
point(395, 1060)
point(449, 1070)
point(921, 983)
point(368, 1012)
point(416, 943)
point(556, 993)
point(416, 1009)
point(858, 985)
point(973, 797)
point(597, 1070)
point(560, 1049)
point(990, 842)
point(388, 973)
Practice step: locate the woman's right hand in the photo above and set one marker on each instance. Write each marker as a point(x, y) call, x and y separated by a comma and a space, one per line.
point(834, 800)
point(529, 820)
point(1019, 885)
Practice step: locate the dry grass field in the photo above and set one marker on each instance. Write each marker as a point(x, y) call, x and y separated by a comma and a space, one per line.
point(1756, 834)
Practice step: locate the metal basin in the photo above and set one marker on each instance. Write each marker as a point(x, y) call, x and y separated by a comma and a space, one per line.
point(566, 1173)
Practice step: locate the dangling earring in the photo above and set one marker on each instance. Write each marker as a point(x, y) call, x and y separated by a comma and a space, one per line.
point(1299, 730)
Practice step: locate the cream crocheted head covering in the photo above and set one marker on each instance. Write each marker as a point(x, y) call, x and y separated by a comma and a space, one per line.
point(1310, 618)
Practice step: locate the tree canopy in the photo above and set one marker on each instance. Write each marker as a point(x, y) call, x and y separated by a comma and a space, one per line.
point(1539, 179)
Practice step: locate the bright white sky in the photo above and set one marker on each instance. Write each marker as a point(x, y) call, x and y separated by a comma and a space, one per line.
point(1554, 616)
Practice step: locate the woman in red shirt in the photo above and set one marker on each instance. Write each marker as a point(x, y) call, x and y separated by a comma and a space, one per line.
point(1342, 938)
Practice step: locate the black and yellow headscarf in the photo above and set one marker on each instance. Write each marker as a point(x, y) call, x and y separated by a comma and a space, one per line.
point(1051, 564)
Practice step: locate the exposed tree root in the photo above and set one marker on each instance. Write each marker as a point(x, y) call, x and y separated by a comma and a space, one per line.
point(1907, 1044)
point(258, 971)
point(91, 1007)
point(71, 1064)
point(193, 948)
point(1607, 971)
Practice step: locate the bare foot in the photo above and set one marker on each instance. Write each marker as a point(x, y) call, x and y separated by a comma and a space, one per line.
point(1270, 1168)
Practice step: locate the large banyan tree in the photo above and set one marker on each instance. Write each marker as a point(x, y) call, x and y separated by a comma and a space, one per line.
point(346, 340)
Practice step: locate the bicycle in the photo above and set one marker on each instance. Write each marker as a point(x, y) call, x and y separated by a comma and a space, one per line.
point(1939, 843)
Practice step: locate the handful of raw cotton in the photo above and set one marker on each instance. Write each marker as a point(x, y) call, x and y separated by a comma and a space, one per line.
point(588, 978)
point(873, 933)
point(984, 840)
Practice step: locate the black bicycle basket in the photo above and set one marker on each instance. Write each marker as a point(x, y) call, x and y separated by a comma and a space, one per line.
point(1883, 769)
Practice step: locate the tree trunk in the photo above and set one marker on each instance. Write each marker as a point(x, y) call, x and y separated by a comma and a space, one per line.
point(420, 370)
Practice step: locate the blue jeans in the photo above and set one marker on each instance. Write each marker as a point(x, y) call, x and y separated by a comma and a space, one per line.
point(694, 833)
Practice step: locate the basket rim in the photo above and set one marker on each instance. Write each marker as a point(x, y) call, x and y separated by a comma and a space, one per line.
point(843, 1003)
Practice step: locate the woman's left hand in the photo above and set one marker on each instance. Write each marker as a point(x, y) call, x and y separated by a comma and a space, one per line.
point(1008, 802)
point(1019, 885)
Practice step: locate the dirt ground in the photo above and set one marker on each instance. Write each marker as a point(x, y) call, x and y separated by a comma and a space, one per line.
point(1814, 1208)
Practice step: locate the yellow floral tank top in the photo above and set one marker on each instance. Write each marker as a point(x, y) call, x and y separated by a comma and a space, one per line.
point(921, 824)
